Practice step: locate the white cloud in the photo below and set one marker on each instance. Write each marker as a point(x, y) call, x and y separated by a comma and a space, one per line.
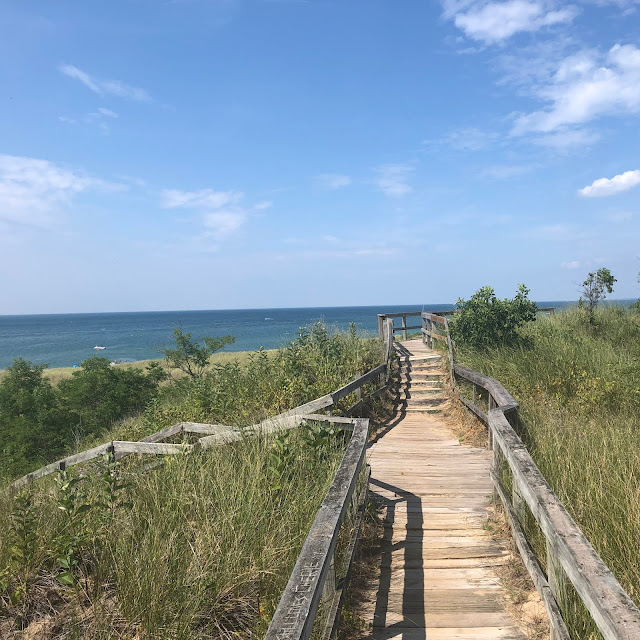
point(494, 22)
point(611, 186)
point(586, 86)
point(571, 264)
point(220, 213)
point(106, 87)
point(34, 192)
point(107, 113)
point(222, 223)
point(392, 179)
point(563, 141)
point(332, 181)
point(263, 206)
point(202, 199)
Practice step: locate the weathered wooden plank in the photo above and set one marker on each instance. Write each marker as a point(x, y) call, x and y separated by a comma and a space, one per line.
point(69, 461)
point(357, 383)
point(559, 629)
point(295, 613)
point(611, 608)
point(196, 427)
point(152, 448)
point(169, 432)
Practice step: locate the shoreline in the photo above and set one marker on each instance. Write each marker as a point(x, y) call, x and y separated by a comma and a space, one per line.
point(55, 374)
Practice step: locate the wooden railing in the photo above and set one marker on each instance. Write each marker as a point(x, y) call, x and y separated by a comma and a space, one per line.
point(312, 599)
point(569, 555)
point(319, 580)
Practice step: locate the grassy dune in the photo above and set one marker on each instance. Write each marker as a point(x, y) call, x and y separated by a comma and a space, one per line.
point(579, 390)
point(199, 547)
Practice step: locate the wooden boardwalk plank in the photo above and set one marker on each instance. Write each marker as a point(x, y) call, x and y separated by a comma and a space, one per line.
point(437, 563)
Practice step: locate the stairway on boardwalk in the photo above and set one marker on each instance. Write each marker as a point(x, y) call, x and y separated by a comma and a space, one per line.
point(437, 577)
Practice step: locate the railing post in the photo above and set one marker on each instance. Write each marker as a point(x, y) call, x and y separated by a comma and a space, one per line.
point(359, 389)
point(424, 328)
point(381, 319)
point(404, 327)
point(555, 577)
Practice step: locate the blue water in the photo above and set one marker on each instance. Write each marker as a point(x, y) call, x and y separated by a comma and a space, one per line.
point(63, 340)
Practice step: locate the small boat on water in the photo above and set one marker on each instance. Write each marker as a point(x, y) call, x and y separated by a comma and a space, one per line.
point(99, 348)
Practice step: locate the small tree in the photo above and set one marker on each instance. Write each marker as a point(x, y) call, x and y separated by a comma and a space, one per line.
point(484, 320)
point(595, 288)
point(189, 355)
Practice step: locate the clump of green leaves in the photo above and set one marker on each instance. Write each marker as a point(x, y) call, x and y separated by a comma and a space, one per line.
point(112, 489)
point(71, 539)
point(189, 355)
point(485, 320)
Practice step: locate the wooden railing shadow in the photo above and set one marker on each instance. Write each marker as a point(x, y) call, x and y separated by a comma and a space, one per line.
point(413, 610)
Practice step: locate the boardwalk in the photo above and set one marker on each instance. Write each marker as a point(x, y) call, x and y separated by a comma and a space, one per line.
point(437, 578)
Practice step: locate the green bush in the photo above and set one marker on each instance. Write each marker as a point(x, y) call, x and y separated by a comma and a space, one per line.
point(486, 321)
point(98, 394)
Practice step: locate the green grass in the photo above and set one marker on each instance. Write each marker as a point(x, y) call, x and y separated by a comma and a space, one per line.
point(202, 546)
point(203, 550)
point(579, 391)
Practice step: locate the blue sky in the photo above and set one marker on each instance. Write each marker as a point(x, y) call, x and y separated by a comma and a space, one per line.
point(208, 154)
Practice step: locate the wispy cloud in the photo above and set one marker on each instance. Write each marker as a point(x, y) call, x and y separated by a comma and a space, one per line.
point(106, 87)
point(35, 192)
point(392, 179)
point(332, 181)
point(611, 186)
point(571, 264)
point(219, 211)
point(495, 22)
point(585, 86)
point(470, 139)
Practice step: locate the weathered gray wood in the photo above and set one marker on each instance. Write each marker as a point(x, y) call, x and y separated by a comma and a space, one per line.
point(477, 410)
point(295, 614)
point(434, 317)
point(169, 432)
point(405, 313)
point(333, 619)
point(337, 419)
point(612, 610)
point(309, 407)
point(197, 427)
point(405, 329)
point(357, 383)
point(558, 627)
point(152, 448)
point(67, 462)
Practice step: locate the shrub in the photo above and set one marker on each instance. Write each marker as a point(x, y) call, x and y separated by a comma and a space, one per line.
point(98, 394)
point(485, 321)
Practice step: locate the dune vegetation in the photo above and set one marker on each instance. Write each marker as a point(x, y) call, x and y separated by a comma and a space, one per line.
point(576, 376)
point(196, 545)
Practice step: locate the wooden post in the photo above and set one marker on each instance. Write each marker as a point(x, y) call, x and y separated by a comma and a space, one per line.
point(404, 327)
point(555, 576)
point(381, 318)
point(424, 328)
point(359, 389)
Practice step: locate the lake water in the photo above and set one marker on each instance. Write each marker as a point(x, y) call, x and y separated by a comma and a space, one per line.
point(63, 340)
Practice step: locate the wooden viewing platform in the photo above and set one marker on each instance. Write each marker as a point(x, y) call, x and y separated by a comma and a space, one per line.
point(437, 569)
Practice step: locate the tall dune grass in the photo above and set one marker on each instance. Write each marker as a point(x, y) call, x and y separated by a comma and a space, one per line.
point(200, 547)
point(579, 391)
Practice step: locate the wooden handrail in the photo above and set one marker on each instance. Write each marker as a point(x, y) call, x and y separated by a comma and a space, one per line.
point(569, 553)
point(314, 576)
